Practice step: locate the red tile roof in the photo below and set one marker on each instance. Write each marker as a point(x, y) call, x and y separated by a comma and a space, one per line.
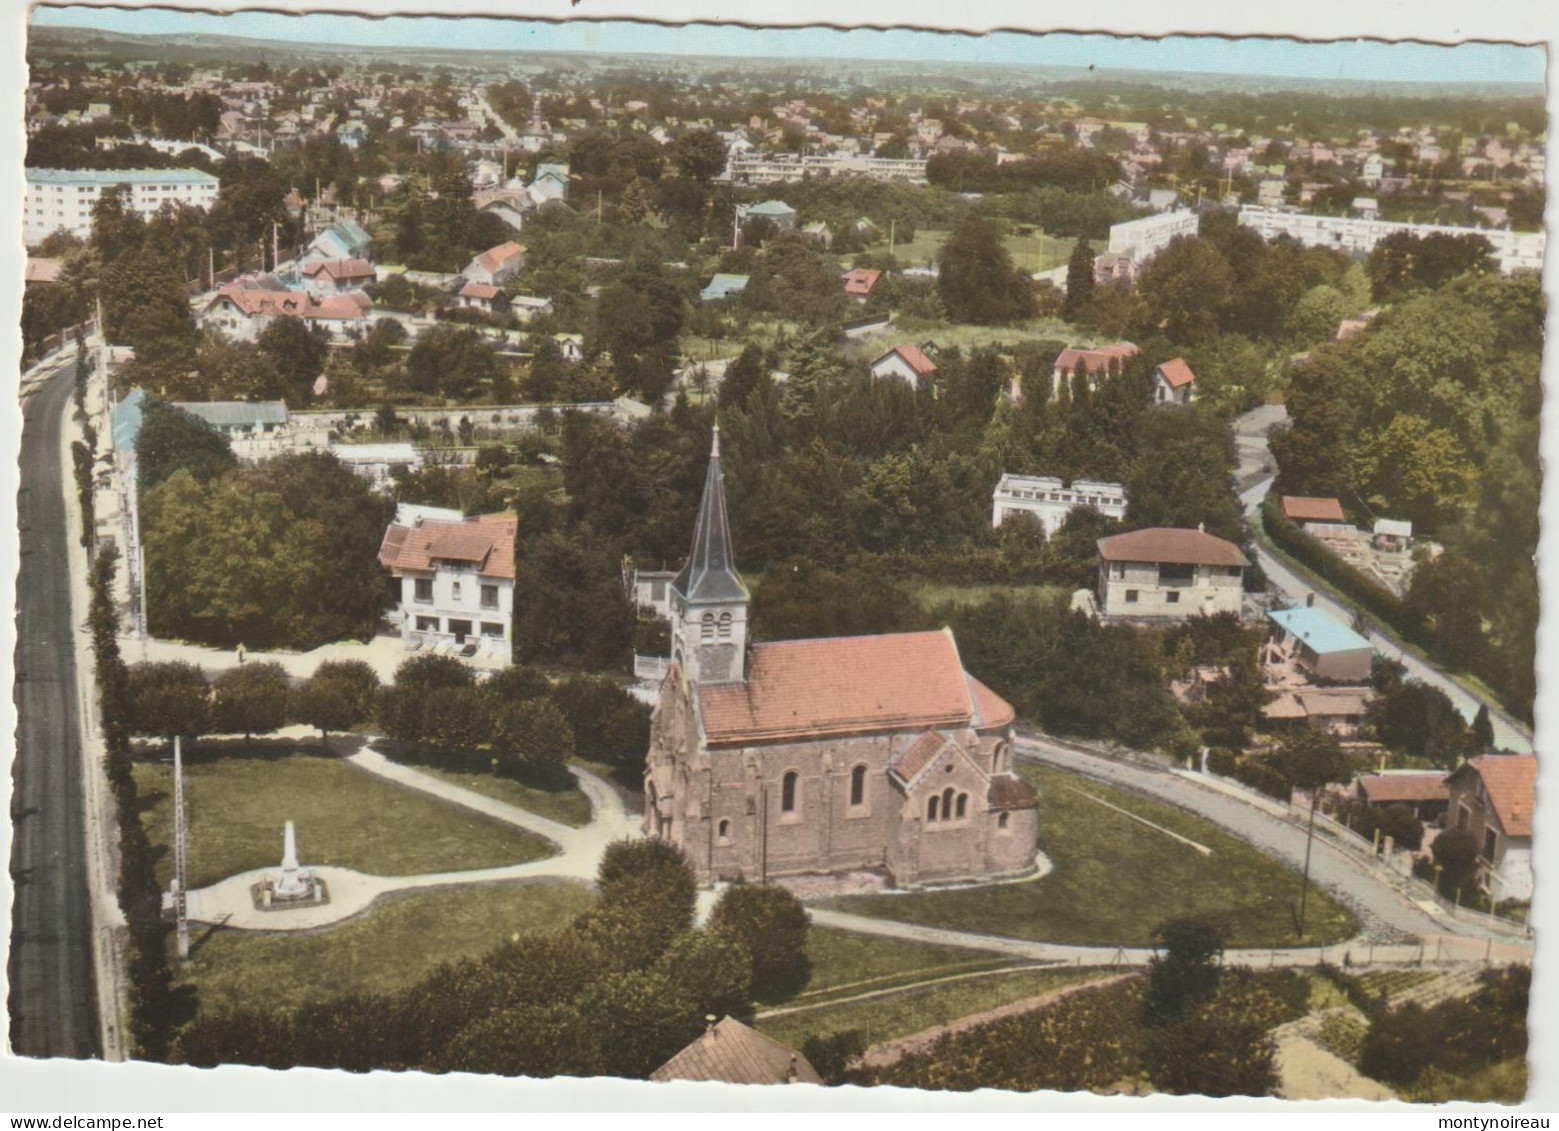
point(909, 763)
point(486, 541)
point(1096, 360)
point(495, 258)
point(860, 282)
point(994, 711)
point(255, 302)
point(1176, 373)
point(732, 1053)
point(479, 290)
point(848, 685)
point(340, 269)
point(1008, 791)
point(43, 270)
point(1510, 780)
point(1383, 789)
point(915, 357)
point(1304, 508)
point(1171, 545)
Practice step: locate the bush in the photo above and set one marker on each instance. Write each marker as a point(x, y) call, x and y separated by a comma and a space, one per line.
point(772, 925)
point(340, 695)
point(1456, 853)
point(249, 699)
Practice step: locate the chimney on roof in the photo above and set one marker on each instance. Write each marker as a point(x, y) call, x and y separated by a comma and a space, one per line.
point(791, 1074)
point(1310, 600)
point(709, 1025)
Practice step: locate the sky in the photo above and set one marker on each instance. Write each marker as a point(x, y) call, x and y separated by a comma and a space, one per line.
point(1358, 59)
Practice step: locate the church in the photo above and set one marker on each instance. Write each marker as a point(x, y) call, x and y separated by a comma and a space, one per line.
point(796, 757)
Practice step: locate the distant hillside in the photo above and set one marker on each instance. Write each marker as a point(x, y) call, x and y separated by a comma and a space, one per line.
point(58, 44)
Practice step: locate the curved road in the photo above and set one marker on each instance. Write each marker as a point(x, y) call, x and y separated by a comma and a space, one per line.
point(53, 1004)
point(1508, 733)
point(1383, 911)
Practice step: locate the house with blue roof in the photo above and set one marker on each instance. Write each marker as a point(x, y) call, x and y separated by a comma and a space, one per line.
point(550, 183)
point(724, 286)
point(345, 239)
point(776, 212)
point(1322, 645)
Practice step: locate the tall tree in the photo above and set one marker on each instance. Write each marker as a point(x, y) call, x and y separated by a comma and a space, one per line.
point(1079, 281)
point(976, 278)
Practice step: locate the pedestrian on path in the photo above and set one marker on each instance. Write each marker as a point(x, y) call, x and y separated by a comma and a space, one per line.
point(240, 653)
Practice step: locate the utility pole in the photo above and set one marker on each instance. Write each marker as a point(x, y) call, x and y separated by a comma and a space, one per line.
point(1304, 889)
point(180, 852)
point(211, 267)
point(275, 247)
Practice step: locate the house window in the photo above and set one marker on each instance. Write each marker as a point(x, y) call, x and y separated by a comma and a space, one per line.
point(788, 787)
point(1463, 817)
point(1490, 845)
point(1131, 596)
point(707, 626)
point(454, 590)
point(933, 806)
point(1001, 821)
point(963, 806)
point(493, 629)
point(489, 596)
point(422, 590)
point(723, 832)
point(858, 786)
point(427, 624)
point(1172, 598)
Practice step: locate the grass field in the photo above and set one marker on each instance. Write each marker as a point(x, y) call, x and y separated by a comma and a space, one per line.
point(567, 806)
point(1115, 880)
point(931, 595)
point(344, 817)
point(1037, 252)
point(400, 940)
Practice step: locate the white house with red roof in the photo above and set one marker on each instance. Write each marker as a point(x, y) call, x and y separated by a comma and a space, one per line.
point(454, 580)
point(1095, 364)
point(483, 296)
point(860, 282)
point(324, 277)
point(243, 309)
point(907, 363)
point(840, 754)
point(1174, 383)
point(1168, 572)
point(497, 265)
point(1493, 797)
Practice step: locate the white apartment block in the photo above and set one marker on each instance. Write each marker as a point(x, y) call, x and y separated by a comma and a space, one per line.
point(774, 168)
point(1513, 251)
point(64, 198)
point(1143, 239)
point(1050, 501)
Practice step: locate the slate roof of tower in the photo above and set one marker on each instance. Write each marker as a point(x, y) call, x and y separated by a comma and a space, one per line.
point(709, 573)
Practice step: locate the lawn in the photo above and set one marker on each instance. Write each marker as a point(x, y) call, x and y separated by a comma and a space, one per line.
point(566, 806)
point(846, 963)
point(896, 1015)
point(1115, 880)
point(1031, 253)
point(401, 939)
point(237, 804)
point(932, 594)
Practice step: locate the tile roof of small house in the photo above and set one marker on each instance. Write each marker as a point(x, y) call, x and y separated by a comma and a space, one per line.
point(850, 685)
point(256, 301)
point(1510, 780)
point(860, 282)
point(1305, 508)
point(485, 291)
point(339, 268)
point(733, 1053)
point(1095, 360)
point(486, 541)
point(43, 270)
point(914, 357)
point(1384, 789)
point(1172, 545)
point(1177, 373)
point(496, 258)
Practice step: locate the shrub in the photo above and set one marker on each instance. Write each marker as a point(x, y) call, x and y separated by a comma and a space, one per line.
point(772, 925)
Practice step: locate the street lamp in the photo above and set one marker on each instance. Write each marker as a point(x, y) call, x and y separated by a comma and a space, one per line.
point(1304, 889)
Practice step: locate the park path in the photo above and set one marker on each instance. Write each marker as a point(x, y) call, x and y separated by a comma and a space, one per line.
point(230, 903)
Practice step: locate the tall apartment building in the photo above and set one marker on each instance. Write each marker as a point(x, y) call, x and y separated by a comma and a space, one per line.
point(774, 168)
point(1143, 239)
point(64, 198)
point(1513, 251)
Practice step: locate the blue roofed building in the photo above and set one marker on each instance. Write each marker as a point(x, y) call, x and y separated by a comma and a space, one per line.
point(345, 239)
point(776, 212)
point(1322, 645)
point(724, 286)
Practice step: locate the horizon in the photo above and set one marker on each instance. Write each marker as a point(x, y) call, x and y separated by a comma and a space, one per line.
point(1267, 57)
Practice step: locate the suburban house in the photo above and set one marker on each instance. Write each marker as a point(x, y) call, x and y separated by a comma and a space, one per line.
point(1423, 791)
point(1393, 535)
point(1114, 268)
point(453, 579)
point(483, 296)
point(1174, 383)
point(378, 463)
point(1322, 645)
point(1339, 710)
point(650, 589)
point(1095, 363)
point(344, 239)
point(497, 265)
point(826, 756)
point(860, 283)
point(819, 233)
point(239, 419)
point(907, 363)
point(1170, 572)
point(776, 212)
point(41, 272)
point(724, 286)
point(1050, 501)
point(242, 310)
point(1493, 797)
point(1305, 508)
point(526, 307)
point(336, 276)
point(550, 183)
point(732, 1053)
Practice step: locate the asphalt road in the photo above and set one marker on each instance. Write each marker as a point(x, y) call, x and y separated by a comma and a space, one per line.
point(1508, 733)
point(1384, 913)
point(53, 1006)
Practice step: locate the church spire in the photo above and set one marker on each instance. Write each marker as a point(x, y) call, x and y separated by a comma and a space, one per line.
point(709, 576)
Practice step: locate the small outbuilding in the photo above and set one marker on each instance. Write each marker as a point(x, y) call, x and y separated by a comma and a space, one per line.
point(1323, 645)
point(732, 1053)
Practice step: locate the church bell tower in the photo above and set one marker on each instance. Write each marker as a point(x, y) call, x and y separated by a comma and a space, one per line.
point(708, 600)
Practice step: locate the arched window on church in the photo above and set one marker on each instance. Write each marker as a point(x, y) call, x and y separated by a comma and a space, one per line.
point(707, 626)
point(932, 806)
point(788, 787)
point(724, 831)
point(858, 785)
point(947, 804)
point(963, 805)
point(725, 626)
